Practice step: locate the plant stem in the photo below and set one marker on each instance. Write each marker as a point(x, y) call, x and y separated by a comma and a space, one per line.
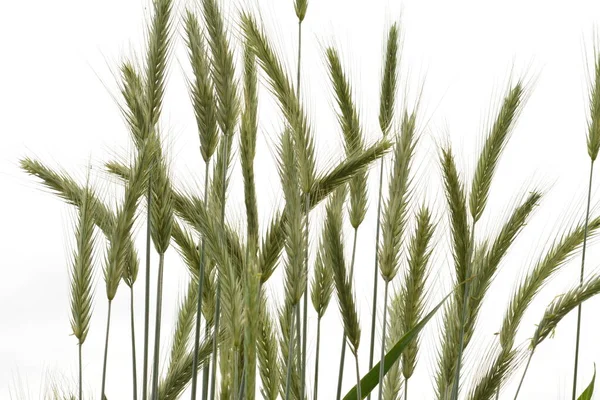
point(376, 269)
point(289, 360)
point(307, 209)
point(382, 362)
point(80, 374)
point(316, 389)
point(343, 352)
point(133, 353)
point(206, 374)
point(358, 392)
point(406, 389)
point(524, 372)
point(587, 217)
point(200, 287)
point(106, 350)
point(455, 386)
point(236, 362)
point(159, 289)
point(147, 294)
point(218, 293)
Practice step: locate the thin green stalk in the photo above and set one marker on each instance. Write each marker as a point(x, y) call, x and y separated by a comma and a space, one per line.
point(406, 389)
point(358, 393)
point(305, 314)
point(382, 362)
point(206, 374)
point(316, 389)
point(106, 350)
point(524, 373)
point(213, 377)
point(585, 234)
point(299, 325)
point(147, 294)
point(343, 352)
point(305, 311)
point(80, 375)
point(236, 362)
point(376, 270)
point(159, 289)
point(288, 377)
point(463, 316)
point(133, 353)
point(200, 285)
point(218, 292)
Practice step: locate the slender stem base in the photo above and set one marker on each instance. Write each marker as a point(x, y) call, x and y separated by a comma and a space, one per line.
point(159, 289)
point(524, 373)
point(463, 317)
point(343, 351)
point(206, 374)
point(199, 304)
point(383, 334)
point(147, 294)
point(80, 374)
point(376, 270)
point(587, 218)
point(133, 353)
point(358, 388)
point(316, 389)
point(288, 376)
point(106, 350)
point(218, 292)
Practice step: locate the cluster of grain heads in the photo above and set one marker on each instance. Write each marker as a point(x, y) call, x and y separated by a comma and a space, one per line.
point(334, 251)
point(457, 323)
point(349, 121)
point(229, 267)
point(202, 96)
point(593, 146)
point(387, 103)
point(393, 219)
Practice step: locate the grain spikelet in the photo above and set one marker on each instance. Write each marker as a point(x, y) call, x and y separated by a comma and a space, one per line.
point(493, 147)
point(201, 88)
point(394, 212)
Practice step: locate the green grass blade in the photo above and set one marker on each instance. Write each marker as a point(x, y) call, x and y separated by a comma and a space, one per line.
point(589, 391)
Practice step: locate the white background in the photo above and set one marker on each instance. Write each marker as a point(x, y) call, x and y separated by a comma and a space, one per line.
point(58, 102)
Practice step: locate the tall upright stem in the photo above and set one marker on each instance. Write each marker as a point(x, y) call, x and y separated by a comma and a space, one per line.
point(80, 374)
point(218, 293)
point(406, 389)
point(159, 289)
point(463, 317)
point(358, 389)
point(343, 351)
point(376, 270)
point(106, 350)
point(316, 389)
point(133, 353)
point(199, 305)
point(206, 374)
point(587, 217)
point(147, 294)
point(524, 373)
point(383, 330)
point(305, 313)
point(289, 358)
point(302, 337)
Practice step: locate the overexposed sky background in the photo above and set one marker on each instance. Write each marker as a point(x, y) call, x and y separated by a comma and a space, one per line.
point(59, 93)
